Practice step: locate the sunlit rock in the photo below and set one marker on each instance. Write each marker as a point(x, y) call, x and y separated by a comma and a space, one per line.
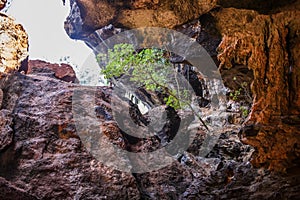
point(61, 71)
point(86, 16)
point(13, 45)
point(2, 4)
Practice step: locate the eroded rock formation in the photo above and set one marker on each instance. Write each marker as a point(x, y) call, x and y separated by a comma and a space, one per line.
point(41, 153)
point(89, 15)
point(259, 41)
point(43, 157)
point(62, 71)
point(13, 46)
point(267, 44)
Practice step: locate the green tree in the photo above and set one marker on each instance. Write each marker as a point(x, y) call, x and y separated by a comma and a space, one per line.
point(148, 68)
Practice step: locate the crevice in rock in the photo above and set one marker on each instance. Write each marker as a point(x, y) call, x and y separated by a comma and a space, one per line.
point(264, 7)
point(289, 70)
point(267, 52)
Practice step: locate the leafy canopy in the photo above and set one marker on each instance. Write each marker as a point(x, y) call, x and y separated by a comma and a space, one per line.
point(148, 68)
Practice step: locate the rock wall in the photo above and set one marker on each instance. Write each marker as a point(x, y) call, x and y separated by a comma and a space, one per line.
point(268, 45)
point(13, 46)
point(41, 154)
point(86, 16)
point(61, 71)
point(261, 38)
point(43, 157)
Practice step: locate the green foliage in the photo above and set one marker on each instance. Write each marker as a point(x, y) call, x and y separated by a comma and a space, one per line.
point(242, 93)
point(235, 95)
point(148, 68)
point(244, 111)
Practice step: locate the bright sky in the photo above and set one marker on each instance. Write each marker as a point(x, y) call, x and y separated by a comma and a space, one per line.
point(43, 20)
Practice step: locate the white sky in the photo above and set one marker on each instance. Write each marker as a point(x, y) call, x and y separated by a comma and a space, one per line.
point(43, 21)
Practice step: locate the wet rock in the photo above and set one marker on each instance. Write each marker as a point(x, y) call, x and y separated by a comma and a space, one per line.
point(61, 71)
point(13, 45)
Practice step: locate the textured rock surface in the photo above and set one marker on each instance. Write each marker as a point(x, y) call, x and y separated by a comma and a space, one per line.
point(44, 158)
point(2, 4)
point(13, 45)
point(86, 16)
point(269, 46)
point(40, 151)
point(62, 71)
point(258, 43)
point(11, 192)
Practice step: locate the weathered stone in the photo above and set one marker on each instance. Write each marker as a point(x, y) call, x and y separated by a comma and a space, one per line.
point(267, 44)
point(46, 157)
point(13, 44)
point(62, 71)
point(252, 47)
point(267, 6)
point(1, 97)
point(86, 16)
point(11, 192)
point(6, 131)
point(2, 4)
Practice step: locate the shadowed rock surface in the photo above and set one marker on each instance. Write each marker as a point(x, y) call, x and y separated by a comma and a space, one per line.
point(258, 49)
point(41, 152)
point(86, 16)
point(61, 71)
point(44, 155)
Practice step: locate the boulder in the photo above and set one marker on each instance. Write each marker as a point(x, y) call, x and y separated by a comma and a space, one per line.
point(86, 16)
point(61, 71)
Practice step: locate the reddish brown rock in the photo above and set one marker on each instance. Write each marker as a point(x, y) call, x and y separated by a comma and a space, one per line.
point(62, 71)
point(11, 192)
point(13, 45)
point(2, 4)
point(268, 45)
point(261, 48)
point(86, 16)
point(41, 153)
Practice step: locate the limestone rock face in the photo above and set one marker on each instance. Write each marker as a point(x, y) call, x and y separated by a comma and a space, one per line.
point(269, 46)
point(13, 45)
point(256, 40)
point(43, 157)
point(86, 16)
point(41, 154)
point(2, 4)
point(62, 71)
